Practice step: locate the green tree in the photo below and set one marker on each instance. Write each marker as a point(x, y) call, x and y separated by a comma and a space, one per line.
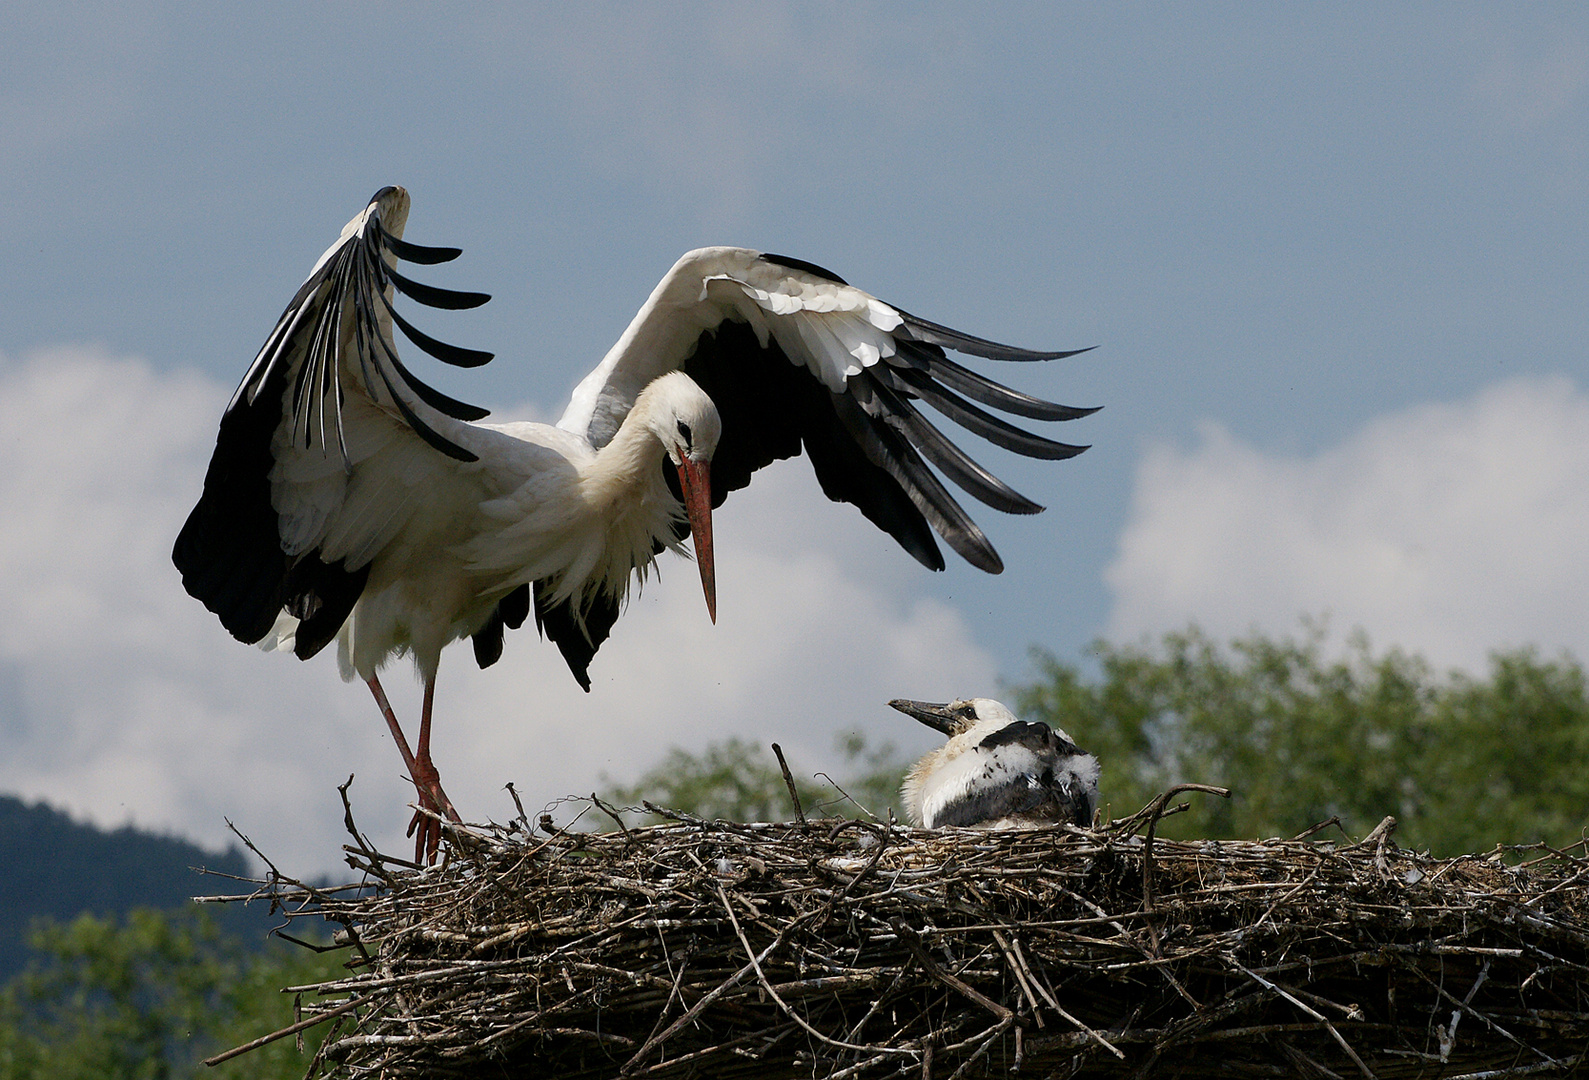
point(1508, 759)
point(147, 998)
point(1462, 763)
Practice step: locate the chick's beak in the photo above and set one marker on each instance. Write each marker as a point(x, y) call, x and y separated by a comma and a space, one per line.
point(695, 482)
point(936, 716)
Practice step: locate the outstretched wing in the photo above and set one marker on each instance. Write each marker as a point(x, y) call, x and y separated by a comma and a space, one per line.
point(794, 357)
point(330, 444)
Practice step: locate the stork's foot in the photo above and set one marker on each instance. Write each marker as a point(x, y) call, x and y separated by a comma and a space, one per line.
point(425, 829)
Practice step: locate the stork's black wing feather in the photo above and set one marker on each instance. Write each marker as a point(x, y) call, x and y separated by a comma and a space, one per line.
point(229, 549)
point(509, 614)
point(933, 333)
point(576, 638)
point(417, 253)
point(803, 266)
point(983, 389)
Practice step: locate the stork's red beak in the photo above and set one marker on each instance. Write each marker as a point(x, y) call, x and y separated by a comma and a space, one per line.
point(695, 480)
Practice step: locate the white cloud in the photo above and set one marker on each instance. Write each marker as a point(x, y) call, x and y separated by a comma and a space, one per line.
point(1450, 529)
point(122, 699)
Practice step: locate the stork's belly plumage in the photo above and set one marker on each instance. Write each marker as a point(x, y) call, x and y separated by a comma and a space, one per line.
point(408, 612)
point(573, 535)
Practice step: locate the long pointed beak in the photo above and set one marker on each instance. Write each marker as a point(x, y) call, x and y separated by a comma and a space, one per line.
point(935, 716)
point(695, 481)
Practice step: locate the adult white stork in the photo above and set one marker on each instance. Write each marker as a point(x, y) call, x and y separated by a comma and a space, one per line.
point(348, 500)
point(996, 771)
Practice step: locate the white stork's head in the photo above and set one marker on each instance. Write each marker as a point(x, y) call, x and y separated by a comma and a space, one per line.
point(687, 424)
point(683, 418)
point(996, 770)
point(957, 717)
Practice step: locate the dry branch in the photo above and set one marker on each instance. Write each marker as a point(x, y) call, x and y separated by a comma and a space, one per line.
point(853, 950)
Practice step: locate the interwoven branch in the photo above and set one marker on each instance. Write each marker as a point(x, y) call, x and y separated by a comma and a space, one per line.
point(702, 948)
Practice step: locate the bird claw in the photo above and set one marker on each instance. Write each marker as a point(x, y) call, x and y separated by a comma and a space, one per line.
point(426, 832)
point(426, 827)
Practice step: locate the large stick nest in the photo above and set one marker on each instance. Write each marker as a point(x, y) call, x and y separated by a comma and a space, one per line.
point(846, 949)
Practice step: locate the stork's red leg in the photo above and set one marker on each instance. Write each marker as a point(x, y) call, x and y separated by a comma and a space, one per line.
point(374, 684)
point(426, 830)
point(422, 771)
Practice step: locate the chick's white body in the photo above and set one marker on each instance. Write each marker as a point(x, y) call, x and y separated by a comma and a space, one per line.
point(998, 771)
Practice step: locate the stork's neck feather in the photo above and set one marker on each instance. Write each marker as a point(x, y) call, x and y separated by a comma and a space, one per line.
point(627, 507)
point(671, 416)
point(597, 518)
point(628, 467)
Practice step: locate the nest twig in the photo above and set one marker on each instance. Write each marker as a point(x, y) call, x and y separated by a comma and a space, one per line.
point(838, 950)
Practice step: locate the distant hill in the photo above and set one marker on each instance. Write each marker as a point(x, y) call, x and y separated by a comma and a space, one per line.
point(60, 868)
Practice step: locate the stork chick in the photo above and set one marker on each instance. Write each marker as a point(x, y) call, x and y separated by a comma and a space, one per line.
point(996, 771)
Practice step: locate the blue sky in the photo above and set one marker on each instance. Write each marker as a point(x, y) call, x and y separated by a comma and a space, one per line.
point(1333, 259)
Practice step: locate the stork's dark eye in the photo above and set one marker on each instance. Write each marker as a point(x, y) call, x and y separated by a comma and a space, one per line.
point(684, 432)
